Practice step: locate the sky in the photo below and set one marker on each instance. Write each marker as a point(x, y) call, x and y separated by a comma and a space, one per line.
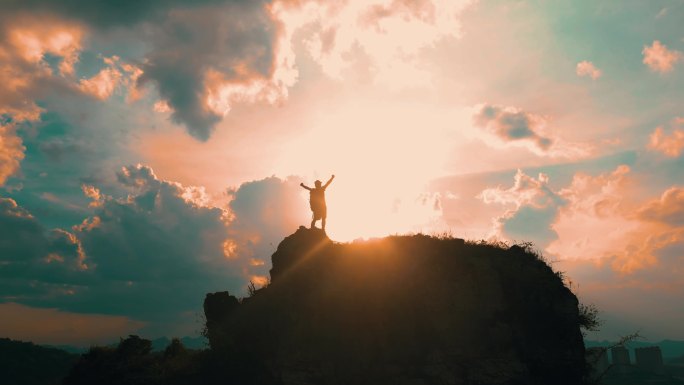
point(151, 152)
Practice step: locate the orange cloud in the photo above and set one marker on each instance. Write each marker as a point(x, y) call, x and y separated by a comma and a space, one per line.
point(660, 59)
point(671, 145)
point(668, 209)
point(596, 203)
point(33, 38)
point(93, 193)
point(23, 45)
point(599, 223)
point(11, 152)
point(55, 327)
point(101, 85)
point(114, 75)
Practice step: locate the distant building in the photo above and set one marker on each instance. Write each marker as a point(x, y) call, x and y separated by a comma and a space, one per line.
point(650, 358)
point(620, 355)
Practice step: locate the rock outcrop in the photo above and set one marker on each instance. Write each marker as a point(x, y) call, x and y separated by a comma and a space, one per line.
point(401, 310)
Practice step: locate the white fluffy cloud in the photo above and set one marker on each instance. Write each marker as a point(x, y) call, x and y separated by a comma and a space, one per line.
point(659, 58)
point(588, 69)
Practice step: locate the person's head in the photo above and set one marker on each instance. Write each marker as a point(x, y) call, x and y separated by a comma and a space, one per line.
point(317, 183)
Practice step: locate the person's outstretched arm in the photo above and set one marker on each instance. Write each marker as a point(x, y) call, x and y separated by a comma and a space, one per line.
point(328, 182)
point(305, 186)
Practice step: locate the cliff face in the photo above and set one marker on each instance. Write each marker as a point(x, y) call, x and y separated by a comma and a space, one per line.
point(401, 310)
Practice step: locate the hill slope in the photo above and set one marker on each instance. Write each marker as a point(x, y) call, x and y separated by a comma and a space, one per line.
point(403, 309)
point(23, 363)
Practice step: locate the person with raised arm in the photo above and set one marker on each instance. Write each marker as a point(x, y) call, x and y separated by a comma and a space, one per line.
point(317, 201)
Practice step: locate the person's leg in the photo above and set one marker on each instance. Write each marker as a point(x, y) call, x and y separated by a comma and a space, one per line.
point(324, 215)
point(313, 221)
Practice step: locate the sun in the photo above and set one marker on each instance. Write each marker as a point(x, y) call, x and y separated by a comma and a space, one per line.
point(383, 155)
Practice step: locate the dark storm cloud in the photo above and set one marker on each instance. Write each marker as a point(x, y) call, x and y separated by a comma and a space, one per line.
point(151, 255)
point(511, 125)
point(154, 253)
point(184, 41)
point(22, 237)
point(154, 234)
point(157, 253)
point(29, 251)
point(103, 14)
point(235, 40)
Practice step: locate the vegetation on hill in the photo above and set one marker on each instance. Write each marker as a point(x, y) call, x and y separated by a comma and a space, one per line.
point(23, 363)
point(133, 362)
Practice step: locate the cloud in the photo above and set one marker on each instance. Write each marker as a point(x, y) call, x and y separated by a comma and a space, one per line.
point(626, 255)
point(36, 262)
point(203, 58)
point(671, 145)
point(610, 231)
point(25, 76)
point(23, 237)
point(263, 213)
point(11, 152)
point(55, 327)
point(588, 69)
point(660, 59)
point(159, 245)
point(599, 203)
point(617, 228)
point(532, 207)
point(103, 15)
point(512, 124)
point(150, 255)
point(39, 54)
point(26, 241)
point(669, 209)
point(380, 41)
point(24, 72)
point(114, 75)
point(206, 59)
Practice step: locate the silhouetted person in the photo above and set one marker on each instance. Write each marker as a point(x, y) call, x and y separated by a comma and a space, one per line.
point(317, 201)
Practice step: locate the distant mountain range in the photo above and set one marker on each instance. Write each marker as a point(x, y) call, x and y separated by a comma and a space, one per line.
point(671, 349)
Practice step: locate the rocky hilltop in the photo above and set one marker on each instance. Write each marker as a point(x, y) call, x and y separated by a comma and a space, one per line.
point(399, 310)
